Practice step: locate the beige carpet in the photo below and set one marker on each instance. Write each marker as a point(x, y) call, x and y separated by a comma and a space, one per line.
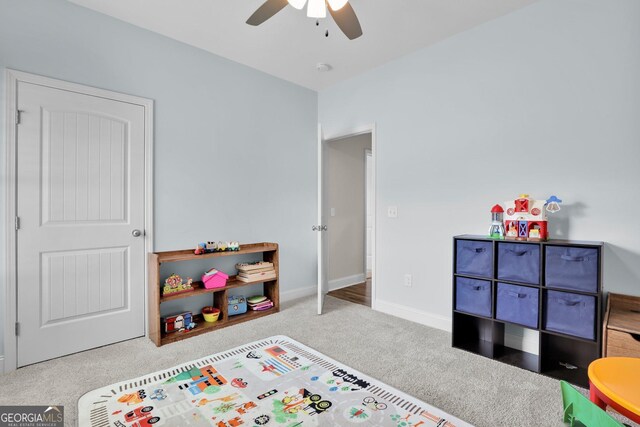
point(413, 358)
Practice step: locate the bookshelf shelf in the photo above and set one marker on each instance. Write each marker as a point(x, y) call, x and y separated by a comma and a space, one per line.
point(269, 253)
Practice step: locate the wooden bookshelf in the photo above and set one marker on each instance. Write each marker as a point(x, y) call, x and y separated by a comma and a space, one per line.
point(269, 253)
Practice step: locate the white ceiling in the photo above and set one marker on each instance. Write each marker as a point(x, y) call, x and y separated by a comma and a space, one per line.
point(289, 45)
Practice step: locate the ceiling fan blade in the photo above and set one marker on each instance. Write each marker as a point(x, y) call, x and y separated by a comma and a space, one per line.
point(266, 11)
point(347, 21)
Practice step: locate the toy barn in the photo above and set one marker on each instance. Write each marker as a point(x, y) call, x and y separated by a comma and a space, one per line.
point(526, 219)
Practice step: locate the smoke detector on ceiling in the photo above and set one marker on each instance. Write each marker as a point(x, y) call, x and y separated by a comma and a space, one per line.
point(323, 68)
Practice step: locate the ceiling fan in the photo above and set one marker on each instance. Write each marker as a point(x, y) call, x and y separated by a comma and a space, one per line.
point(340, 10)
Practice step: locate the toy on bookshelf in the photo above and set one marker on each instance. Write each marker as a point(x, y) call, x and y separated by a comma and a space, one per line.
point(553, 204)
point(213, 278)
point(178, 322)
point(259, 303)
point(237, 305)
point(174, 285)
point(210, 314)
point(526, 218)
point(497, 226)
point(210, 247)
point(255, 271)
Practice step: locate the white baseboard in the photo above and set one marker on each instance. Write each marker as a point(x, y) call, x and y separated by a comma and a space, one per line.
point(414, 315)
point(343, 282)
point(312, 290)
point(298, 293)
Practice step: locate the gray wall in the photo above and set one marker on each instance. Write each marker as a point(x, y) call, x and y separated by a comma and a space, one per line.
point(545, 101)
point(345, 180)
point(212, 115)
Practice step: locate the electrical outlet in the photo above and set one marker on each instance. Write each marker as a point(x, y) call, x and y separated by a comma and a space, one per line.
point(392, 212)
point(408, 280)
point(333, 211)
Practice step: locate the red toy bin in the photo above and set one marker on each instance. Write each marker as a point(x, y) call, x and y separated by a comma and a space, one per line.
point(215, 280)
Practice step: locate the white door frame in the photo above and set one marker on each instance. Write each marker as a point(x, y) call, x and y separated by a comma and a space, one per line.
point(12, 79)
point(368, 153)
point(348, 133)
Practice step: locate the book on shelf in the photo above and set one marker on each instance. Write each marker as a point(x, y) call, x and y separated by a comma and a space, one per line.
point(262, 303)
point(257, 270)
point(261, 307)
point(257, 273)
point(253, 266)
point(266, 275)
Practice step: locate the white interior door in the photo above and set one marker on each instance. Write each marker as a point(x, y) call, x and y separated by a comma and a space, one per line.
point(321, 228)
point(80, 196)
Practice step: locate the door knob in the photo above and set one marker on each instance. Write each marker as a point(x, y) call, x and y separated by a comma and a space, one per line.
point(136, 233)
point(319, 228)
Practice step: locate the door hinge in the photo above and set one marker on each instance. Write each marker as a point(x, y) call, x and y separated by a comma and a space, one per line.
point(17, 223)
point(17, 328)
point(18, 116)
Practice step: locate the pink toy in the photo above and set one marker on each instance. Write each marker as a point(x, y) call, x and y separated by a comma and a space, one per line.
point(214, 279)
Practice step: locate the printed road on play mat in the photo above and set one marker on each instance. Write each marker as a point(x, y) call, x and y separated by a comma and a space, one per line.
point(275, 382)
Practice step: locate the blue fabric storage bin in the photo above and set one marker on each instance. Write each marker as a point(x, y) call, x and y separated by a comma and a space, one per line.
point(473, 296)
point(474, 258)
point(571, 268)
point(518, 304)
point(571, 314)
point(519, 262)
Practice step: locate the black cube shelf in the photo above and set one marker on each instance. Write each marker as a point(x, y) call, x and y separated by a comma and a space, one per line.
point(553, 287)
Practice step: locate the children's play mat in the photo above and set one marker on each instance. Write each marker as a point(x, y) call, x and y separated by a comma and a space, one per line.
point(273, 382)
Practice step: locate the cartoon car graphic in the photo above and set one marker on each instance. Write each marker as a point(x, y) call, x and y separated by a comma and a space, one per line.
point(158, 394)
point(305, 400)
point(134, 398)
point(142, 417)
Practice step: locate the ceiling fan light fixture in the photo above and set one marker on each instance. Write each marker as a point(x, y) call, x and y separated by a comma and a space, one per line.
point(298, 4)
point(316, 9)
point(337, 4)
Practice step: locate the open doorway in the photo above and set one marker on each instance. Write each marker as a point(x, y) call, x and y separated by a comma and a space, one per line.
point(349, 213)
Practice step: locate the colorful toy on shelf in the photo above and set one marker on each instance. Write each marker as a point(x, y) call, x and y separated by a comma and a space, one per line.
point(174, 285)
point(237, 305)
point(210, 314)
point(259, 303)
point(497, 226)
point(214, 279)
point(178, 322)
point(526, 218)
point(209, 247)
point(553, 204)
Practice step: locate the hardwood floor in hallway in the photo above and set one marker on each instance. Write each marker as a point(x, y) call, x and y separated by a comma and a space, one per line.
point(358, 294)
